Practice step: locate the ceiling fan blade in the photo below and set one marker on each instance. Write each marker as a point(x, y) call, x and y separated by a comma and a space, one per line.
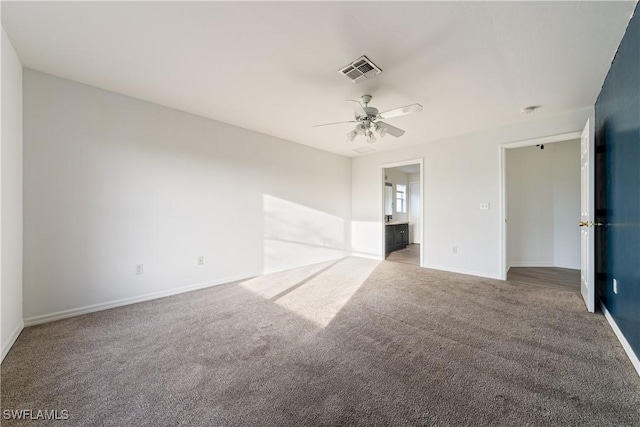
point(336, 123)
point(357, 107)
point(391, 130)
point(413, 108)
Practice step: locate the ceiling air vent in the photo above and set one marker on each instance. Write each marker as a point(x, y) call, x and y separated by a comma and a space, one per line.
point(360, 69)
point(363, 150)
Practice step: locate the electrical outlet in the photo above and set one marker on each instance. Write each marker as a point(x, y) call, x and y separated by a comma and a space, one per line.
point(615, 286)
point(484, 206)
point(139, 269)
point(455, 249)
point(201, 260)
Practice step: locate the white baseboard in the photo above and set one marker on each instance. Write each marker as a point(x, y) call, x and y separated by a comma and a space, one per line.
point(625, 344)
point(567, 266)
point(366, 255)
point(64, 314)
point(542, 264)
point(12, 340)
point(531, 264)
point(50, 317)
point(467, 272)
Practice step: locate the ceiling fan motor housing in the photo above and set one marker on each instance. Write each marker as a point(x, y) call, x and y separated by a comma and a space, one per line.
point(370, 116)
point(371, 112)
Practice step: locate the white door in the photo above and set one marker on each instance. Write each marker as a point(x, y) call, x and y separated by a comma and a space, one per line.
point(587, 282)
point(414, 212)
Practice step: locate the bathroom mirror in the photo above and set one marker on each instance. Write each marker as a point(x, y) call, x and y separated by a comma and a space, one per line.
point(388, 198)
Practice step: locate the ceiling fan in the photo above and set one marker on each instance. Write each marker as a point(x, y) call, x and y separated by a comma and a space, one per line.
point(368, 119)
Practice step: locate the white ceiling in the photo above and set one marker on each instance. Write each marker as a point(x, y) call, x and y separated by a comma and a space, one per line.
point(273, 67)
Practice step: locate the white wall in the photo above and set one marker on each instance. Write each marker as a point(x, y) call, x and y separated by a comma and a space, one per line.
point(459, 174)
point(11, 197)
point(112, 182)
point(566, 197)
point(529, 181)
point(414, 211)
point(543, 205)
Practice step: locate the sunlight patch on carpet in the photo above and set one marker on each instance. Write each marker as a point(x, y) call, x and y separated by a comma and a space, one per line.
point(317, 292)
point(270, 285)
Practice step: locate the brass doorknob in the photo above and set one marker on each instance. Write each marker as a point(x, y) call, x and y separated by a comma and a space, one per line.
point(590, 224)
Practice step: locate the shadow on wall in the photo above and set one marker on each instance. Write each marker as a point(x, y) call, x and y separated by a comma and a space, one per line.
point(297, 235)
point(315, 292)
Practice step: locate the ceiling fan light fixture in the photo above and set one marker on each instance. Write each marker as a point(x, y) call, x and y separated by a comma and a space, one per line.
point(371, 138)
point(382, 129)
point(368, 120)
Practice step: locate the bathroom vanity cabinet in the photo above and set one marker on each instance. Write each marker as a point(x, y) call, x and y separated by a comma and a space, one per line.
point(396, 236)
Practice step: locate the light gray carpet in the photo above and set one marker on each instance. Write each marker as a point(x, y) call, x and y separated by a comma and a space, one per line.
point(408, 346)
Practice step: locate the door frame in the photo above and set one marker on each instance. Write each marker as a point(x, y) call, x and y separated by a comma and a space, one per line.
point(412, 233)
point(418, 161)
point(503, 185)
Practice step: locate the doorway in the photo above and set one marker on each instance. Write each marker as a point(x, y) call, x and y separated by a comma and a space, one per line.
point(402, 211)
point(540, 207)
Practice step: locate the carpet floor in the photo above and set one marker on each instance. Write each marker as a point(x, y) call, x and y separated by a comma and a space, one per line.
point(352, 342)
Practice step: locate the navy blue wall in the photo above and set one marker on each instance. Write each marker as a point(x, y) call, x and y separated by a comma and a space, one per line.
point(618, 132)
